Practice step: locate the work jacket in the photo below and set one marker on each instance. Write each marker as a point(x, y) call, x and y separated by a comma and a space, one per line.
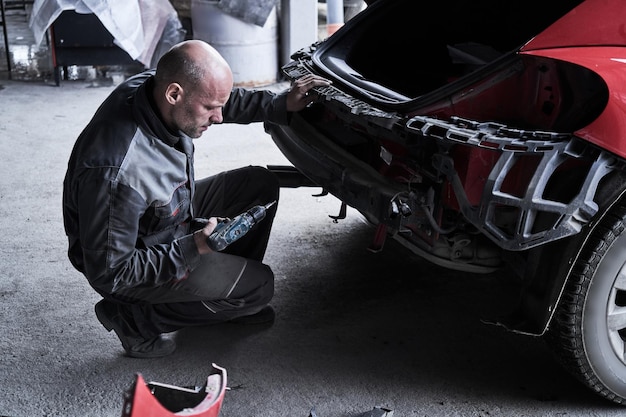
point(129, 185)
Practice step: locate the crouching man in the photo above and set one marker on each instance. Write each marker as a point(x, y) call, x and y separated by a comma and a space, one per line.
point(136, 219)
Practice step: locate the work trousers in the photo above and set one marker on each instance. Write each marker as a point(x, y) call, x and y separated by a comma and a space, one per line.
point(225, 285)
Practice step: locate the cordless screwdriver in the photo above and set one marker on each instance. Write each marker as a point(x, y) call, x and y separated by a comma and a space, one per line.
point(229, 230)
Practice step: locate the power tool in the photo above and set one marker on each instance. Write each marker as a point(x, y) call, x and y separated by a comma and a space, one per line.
point(229, 230)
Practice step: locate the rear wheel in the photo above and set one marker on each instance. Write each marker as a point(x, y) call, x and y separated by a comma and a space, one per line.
point(588, 330)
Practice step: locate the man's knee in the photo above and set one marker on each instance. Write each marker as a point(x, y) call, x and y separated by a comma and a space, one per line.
point(256, 285)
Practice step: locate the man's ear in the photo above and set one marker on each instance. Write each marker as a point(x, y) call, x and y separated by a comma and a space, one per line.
point(173, 93)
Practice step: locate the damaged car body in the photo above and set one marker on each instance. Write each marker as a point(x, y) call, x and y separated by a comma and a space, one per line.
point(481, 135)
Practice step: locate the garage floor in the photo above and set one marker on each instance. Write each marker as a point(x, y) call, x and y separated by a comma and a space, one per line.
point(354, 329)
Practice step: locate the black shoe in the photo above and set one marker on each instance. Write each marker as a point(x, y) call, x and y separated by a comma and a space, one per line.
point(266, 315)
point(134, 345)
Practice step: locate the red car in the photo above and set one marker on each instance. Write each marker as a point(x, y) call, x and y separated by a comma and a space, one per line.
point(487, 135)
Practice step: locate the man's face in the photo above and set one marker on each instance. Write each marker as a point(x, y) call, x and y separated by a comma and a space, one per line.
point(201, 107)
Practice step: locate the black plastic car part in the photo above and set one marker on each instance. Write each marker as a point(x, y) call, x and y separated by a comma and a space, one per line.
point(530, 218)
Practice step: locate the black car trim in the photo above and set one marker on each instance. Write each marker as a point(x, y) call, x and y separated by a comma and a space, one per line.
point(552, 148)
point(349, 179)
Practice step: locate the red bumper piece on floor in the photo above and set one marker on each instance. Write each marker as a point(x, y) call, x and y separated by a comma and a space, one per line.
point(154, 399)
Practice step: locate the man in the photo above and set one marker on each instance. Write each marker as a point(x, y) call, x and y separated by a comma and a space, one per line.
point(136, 219)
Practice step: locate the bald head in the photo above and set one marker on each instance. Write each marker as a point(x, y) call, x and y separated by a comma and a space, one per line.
point(191, 85)
point(191, 63)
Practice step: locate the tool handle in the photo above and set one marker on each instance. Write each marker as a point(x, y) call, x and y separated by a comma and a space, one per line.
point(231, 230)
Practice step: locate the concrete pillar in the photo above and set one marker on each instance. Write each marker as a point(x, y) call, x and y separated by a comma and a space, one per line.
point(298, 26)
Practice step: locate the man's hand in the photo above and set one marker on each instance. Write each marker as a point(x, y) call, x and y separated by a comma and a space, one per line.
point(301, 94)
point(200, 236)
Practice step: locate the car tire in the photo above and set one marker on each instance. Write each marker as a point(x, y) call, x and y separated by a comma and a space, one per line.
point(588, 330)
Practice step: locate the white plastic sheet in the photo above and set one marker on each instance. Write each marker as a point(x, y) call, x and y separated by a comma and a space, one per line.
point(136, 25)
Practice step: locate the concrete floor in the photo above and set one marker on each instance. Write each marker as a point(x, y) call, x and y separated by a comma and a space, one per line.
point(354, 329)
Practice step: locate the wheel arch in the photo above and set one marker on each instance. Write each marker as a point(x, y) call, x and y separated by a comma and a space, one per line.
point(548, 267)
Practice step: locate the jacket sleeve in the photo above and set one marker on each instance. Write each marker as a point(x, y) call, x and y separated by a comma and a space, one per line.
point(247, 106)
point(109, 215)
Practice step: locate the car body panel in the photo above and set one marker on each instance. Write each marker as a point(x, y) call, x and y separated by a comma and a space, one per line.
point(594, 22)
point(610, 64)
